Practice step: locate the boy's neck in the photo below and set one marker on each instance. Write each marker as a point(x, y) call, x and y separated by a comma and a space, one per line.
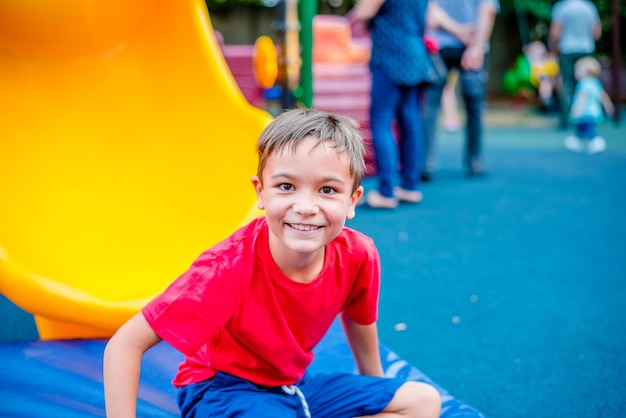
point(302, 269)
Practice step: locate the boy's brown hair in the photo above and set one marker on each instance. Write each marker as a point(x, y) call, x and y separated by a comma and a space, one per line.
point(341, 133)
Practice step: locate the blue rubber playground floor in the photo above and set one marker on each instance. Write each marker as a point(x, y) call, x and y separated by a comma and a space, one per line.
point(510, 290)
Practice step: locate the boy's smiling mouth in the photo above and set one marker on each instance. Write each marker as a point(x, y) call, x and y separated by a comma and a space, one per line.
point(303, 227)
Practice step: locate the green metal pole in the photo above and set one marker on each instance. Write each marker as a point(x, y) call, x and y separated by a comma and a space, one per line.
point(307, 10)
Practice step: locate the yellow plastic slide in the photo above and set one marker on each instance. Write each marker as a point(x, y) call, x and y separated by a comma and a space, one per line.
point(126, 149)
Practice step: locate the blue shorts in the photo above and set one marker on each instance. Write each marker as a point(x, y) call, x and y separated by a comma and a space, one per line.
point(585, 129)
point(334, 395)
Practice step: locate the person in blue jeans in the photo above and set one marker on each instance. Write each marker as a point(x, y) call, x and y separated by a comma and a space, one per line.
point(462, 28)
point(398, 67)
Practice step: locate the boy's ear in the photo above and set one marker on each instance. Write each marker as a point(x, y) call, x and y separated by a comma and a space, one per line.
point(354, 201)
point(258, 188)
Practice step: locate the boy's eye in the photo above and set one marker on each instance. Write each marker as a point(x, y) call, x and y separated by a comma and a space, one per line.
point(327, 190)
point(285, 187)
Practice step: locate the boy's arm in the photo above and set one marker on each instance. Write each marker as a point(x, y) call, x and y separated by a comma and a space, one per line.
point(122, 363)
point(363, 341)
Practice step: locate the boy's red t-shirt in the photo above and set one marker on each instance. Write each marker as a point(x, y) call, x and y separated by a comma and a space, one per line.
point(234, 311)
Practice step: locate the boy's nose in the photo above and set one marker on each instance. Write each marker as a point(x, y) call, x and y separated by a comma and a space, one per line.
point(306, 206)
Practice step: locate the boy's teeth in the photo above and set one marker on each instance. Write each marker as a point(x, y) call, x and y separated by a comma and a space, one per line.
point(303, 227)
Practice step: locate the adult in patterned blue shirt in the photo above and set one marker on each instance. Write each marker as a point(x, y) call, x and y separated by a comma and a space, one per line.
point(398, 67)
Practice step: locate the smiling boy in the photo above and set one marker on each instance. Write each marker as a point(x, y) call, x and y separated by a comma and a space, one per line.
point(249, 311)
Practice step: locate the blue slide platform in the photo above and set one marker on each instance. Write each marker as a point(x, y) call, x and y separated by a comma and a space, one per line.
point(64, 378)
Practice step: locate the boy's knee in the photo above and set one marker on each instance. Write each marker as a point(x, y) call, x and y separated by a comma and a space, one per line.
point(424, 399)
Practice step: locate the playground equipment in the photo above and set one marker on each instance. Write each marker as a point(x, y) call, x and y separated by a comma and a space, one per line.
point(126, 149)
point(341, 75)
point(534, 73)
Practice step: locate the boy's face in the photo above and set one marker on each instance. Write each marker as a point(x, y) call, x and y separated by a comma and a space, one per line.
point(307, 196)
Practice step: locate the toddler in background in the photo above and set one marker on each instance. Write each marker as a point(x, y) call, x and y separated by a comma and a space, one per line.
point(589, 103)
